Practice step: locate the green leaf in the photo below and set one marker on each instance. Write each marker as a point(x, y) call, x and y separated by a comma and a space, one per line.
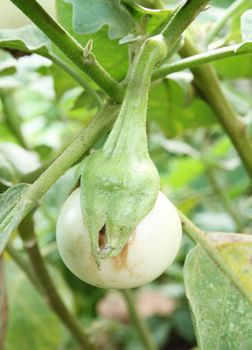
point(31, 325)
point(12, 210)
point(245, 47)
point(28, 39)
point(168, 107)
point(238, 66)
point(114, 58)
point(222, 315)
point(246, 25)
point(63, 82)
point(90, 16)
point(234, 31)
point(236, 251)
point(235, 67)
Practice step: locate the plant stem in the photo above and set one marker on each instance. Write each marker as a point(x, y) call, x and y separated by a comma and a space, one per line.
point(181, 19)
point(207, 82)
point(11, 117)
point(106, 116)
point(132, 116)
point(200, 237)
point(185, 13)
point(27, 234)
point(78, 76)
point(201, 58)
point(140, 325)
point(70, 47)
point(99, 124)
point(227, 16)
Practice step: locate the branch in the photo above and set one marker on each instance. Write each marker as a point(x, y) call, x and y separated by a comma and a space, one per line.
point(220, 24)
point(200, 237)
point(31, 196)
point(140, 325)
point(181, 19)
point(99, 125)
point(201, 58)
point(207, 82)
point(70, 47)
point(183, 16)
point(27, 234)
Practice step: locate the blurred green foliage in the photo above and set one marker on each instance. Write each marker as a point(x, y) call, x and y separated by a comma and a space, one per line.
point(185, 141)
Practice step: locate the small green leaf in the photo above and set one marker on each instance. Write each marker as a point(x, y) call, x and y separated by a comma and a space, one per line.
point(28, 39)
point(222, 314)
point(13, 207)
point(90, 16)
point(246, 25)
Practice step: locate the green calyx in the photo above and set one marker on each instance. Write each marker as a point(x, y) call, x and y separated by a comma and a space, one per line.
point(120, 183)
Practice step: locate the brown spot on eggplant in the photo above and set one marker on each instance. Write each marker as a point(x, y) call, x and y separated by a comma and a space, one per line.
point(120, 261)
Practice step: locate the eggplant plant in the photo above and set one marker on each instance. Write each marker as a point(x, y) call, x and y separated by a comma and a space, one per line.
point(162, 95)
